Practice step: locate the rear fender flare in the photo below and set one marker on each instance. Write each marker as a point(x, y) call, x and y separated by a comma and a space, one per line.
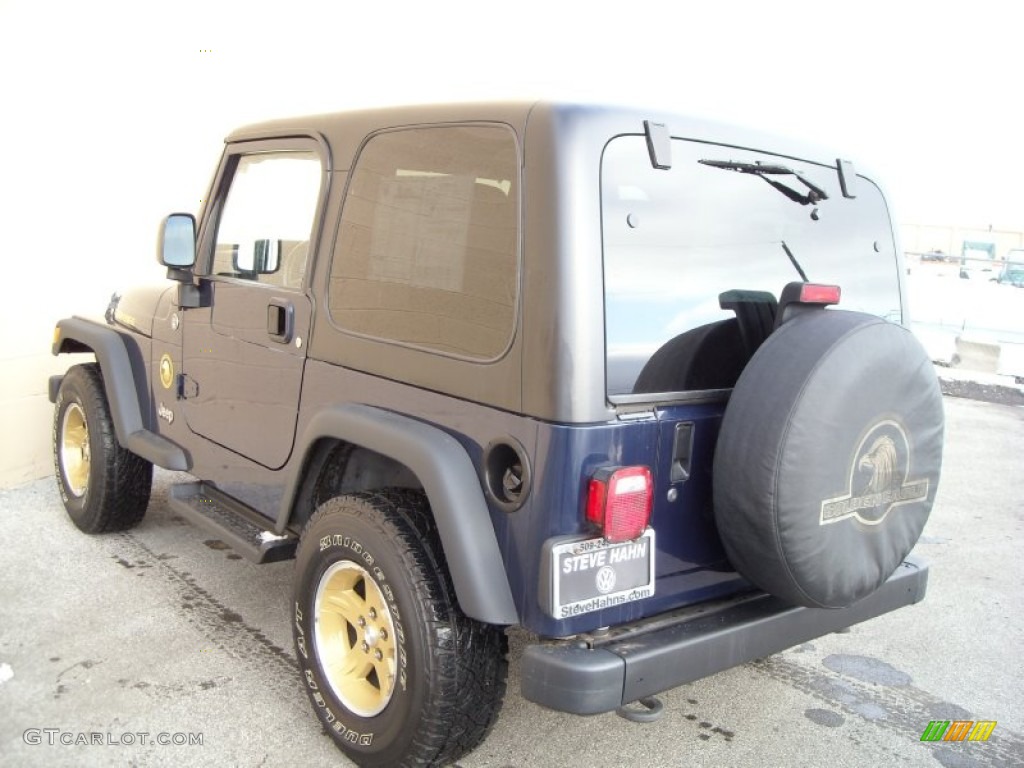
point(453, 490)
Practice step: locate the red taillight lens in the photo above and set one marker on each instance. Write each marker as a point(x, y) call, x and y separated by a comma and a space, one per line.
point(619, 502)
point(819, 294)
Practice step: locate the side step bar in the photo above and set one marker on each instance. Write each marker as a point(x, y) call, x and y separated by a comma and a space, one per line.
point(235, 523)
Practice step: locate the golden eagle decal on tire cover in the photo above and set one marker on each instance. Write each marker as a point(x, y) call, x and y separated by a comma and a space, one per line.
point(878, 478)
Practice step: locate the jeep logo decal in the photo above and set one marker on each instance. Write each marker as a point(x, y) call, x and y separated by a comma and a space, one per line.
point(166, 371)
point(165, 413)
point(878, 478)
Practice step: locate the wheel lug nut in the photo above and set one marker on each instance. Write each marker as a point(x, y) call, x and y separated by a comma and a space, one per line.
point(378, 654)
point(366, 648)
point(362, 621)
point(383, 634)
point(373, 613)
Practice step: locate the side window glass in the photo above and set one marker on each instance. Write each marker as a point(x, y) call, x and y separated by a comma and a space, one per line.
point(264, 229)
point(428, 242)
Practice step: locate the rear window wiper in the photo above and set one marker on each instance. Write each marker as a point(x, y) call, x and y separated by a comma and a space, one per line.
point(814, 194)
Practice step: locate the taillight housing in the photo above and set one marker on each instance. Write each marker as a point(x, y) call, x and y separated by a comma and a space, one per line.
point(619, 501)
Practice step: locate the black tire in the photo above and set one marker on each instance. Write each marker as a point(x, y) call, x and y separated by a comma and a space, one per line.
point(103, 486)
point(828, 458)
point(707, 357)
point(449, 670)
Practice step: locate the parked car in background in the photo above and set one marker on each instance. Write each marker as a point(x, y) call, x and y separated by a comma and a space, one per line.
point(1013, 269)
point(977, 260)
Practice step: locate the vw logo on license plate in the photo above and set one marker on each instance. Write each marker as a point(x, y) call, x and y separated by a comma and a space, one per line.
point(605, 580)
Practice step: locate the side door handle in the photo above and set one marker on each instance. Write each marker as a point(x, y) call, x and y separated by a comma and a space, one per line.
point(280, 320)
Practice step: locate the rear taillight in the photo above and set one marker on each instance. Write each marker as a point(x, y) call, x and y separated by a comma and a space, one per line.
point(619, 501)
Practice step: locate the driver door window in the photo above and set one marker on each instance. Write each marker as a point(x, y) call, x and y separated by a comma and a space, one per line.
point(264, 229)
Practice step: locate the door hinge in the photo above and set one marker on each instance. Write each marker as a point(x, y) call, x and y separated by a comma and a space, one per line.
point(188, 388)
point(682, 452)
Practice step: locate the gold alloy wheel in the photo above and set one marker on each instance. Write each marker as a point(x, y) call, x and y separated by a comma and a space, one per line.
point(75, 456)
point(354, 638)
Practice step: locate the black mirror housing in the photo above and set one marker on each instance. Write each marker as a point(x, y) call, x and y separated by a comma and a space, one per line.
point(265, 258)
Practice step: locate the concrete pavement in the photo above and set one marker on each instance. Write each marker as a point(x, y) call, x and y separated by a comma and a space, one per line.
point(164, 631)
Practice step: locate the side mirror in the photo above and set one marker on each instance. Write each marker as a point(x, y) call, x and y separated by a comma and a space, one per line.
point(264, 259)
point(176, 247)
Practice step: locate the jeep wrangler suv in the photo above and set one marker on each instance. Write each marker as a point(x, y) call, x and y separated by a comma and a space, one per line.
point(572, 368)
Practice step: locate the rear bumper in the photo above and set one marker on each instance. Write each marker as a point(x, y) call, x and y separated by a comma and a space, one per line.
point(592, 675)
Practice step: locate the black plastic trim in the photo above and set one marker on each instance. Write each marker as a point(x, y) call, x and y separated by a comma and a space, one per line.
point(493, 480)
point(590, 676)
point(53, 387)
point(452, 487)
point(119, 384)
point(240, 526)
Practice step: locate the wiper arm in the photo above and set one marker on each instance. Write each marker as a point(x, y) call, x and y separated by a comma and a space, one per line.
point(814, 194)
point(792, 258)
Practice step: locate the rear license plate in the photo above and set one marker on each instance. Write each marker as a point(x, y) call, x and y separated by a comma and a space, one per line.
point(592, 574)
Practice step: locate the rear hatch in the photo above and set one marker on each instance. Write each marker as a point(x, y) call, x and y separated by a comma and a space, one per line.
point(695, 258)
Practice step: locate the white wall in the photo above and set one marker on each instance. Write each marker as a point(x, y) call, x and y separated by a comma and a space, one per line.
point(112, 113)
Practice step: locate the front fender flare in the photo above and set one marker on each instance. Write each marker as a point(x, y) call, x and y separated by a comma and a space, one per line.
point(77, 334)
point(452, 488)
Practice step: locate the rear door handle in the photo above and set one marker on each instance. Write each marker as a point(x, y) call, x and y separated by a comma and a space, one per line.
point(280, 320)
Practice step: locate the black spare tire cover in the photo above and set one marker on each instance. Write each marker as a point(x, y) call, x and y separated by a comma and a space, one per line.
point(828, 458)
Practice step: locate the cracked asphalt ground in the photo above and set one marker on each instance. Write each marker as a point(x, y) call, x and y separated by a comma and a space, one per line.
point(164, 630)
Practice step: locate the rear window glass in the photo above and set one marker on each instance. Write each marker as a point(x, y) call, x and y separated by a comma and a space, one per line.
point(680, 242)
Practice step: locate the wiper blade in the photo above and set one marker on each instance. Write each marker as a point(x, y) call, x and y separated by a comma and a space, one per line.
point(815, 194)
point(732, 165)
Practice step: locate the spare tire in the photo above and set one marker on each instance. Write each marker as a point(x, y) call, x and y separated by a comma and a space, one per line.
point(828, 458)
